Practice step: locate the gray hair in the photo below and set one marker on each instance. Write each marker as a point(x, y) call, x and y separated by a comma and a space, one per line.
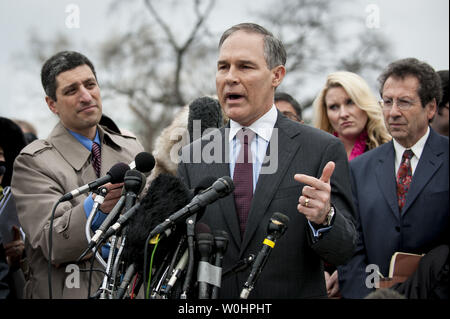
point(274, 51)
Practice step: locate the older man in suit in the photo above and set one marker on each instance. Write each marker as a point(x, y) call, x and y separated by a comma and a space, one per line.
point(400, 189)
point(277, 165)
point(77, 152)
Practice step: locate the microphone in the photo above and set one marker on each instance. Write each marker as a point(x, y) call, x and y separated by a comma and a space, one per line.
point(114, 175)
point(129, 273)
point(221, 245)
point(190, 232)
point(122, 221)
point(166, 194)
point(205, 243)
point(133, 183)
point(179, 268)
point(276, 228)
point(143, 162)
point(208, 112)
point(220, 188)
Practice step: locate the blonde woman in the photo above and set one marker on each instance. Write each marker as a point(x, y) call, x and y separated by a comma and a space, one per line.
point(347, 108)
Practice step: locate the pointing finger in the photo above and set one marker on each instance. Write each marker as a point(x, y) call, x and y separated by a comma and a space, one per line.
point(327, 172)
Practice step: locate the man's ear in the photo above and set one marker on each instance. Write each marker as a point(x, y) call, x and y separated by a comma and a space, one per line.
point(431, 109)
point(278, 74)
point(51, 105)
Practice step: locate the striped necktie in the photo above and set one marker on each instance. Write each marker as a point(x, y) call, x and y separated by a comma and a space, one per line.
point(96, 158)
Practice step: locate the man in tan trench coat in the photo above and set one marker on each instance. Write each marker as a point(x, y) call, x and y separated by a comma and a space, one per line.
point(47, 169)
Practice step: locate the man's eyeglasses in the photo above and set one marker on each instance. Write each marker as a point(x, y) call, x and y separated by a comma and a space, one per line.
point(402, 104)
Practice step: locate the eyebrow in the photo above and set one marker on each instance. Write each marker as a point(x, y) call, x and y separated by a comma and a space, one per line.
point(75, 84)
point(239, 62)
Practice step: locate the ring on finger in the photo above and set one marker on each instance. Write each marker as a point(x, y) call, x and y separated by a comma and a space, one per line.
point(306, 202)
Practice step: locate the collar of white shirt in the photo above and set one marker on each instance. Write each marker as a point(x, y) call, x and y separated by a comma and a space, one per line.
point(417, 149)
point(263, 126)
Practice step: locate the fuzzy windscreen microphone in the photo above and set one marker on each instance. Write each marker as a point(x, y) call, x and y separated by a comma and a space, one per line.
point(166, 195)
point(206, 110)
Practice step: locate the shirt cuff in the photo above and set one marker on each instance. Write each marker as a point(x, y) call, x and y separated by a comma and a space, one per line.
point(99, 217)
point(318, 232)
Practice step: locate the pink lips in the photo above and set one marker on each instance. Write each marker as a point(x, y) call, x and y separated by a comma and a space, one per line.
point(346, 124)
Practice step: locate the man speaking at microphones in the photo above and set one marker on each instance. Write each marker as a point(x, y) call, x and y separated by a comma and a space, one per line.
point(277, 165)
point(77, 151)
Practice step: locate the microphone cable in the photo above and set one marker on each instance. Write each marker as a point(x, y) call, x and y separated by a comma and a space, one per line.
point(147, 282)
point(50, 244)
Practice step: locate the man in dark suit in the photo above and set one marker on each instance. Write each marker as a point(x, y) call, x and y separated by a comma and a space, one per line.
point(294, 169)
point(400, 189)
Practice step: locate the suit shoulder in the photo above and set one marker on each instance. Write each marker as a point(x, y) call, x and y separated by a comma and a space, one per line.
point(36, 147)
point(213, 135)
point(309, 136)
point(123, 133)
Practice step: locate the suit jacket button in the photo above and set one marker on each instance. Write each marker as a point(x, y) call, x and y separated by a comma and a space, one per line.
point(397, 228)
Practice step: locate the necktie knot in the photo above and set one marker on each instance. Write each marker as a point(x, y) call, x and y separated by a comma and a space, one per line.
point(408, 154)
point(245, 136)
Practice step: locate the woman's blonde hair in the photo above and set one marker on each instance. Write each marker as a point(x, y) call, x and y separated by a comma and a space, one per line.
point(358, 90)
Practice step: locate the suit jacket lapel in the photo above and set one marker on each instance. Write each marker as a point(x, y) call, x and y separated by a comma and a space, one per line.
point(269, 183)
point(428, 164)
point(385, 173)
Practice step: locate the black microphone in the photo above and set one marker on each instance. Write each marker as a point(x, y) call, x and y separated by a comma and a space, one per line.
point(144, 162)
point(205, 244)
point(220, 245)
point(133, 183)
point(208, 112)
point(121, 221)
point(220, 188)
point(165, 194)
point(205, 183)
point(277, 226)
point(114, 175)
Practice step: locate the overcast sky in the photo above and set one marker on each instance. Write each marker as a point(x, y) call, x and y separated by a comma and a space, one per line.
point(416, 28)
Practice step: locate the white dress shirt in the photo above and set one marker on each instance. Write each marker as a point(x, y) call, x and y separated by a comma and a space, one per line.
point(417, 149)
point(263, 127)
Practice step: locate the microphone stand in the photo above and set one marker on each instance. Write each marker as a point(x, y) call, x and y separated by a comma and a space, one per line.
point(133, 181)
point(101, 193)
point(241, 265)
point(190, 232)
point(221, 244)
point(104, 287)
